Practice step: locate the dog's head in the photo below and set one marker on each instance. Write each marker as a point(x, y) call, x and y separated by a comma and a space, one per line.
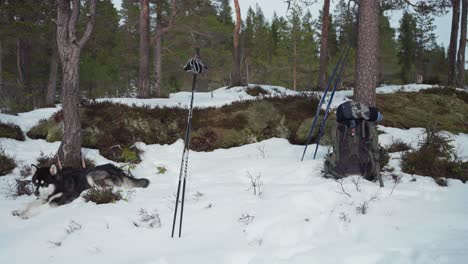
point(44, 179)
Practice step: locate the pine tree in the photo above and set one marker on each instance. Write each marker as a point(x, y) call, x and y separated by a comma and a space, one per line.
point(236, 74)
point(102, 58)
point(70, 46)
point(144, 89)
point(324, 45)
point(408, 47)
point(452, 50)
point(129, 14)
point(224, 10)
point(296, 34)
point(388, 60)
point(367, 52)
point(462, 45)
point(425, 41)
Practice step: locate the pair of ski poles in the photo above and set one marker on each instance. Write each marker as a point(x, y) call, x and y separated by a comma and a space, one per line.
point(195, 66)
point(340, 64)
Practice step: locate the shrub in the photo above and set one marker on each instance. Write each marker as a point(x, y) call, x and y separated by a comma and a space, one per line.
point(11, 131)
point(435, 158)
point(256, 91)
point(398, 146)
point(7, 163)
point(102, 195)
point(384, 157)
point(21, 187)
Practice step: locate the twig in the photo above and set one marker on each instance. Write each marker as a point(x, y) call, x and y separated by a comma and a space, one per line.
point(340, 182)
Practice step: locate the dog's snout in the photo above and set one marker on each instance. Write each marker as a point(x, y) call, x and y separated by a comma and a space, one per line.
point(36, 192)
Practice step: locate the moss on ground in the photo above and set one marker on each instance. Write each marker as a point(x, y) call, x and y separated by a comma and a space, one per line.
point(13, 131)
point(406, 110)
point(113, 128)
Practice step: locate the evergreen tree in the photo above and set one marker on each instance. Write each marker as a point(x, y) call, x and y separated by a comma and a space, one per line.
point(129, 16)
point(388, 60)
point(408, 45)
point(103, 56)
point(224, 10)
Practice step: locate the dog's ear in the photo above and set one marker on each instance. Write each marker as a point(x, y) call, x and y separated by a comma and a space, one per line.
point(53, 170)
point(33, 169)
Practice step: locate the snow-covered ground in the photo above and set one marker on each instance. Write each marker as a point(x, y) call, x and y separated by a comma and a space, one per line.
point(224, 96)
point(299, 217)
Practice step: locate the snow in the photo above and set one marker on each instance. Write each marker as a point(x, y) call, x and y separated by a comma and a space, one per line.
point(29, 119)
point(299, 217)
point(216, 98)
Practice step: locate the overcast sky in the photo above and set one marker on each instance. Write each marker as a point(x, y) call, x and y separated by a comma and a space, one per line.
point(279, 6)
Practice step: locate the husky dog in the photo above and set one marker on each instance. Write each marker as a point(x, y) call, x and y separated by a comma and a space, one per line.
point(55, 187)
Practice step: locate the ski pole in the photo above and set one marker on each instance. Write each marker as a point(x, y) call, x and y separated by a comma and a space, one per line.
point(338, 78)
point(195, 66)
point(319, 106)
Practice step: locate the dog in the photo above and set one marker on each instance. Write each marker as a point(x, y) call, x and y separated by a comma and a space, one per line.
point(55, 187)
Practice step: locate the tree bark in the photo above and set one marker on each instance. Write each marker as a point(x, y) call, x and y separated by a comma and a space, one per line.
point(367, 52)
point(452, 51)
point(20, 62)
point(324, 46)
point(69, 50)
point(144, 89)
point(53, 70)
point(157, 66)
point(161, 30)
point(236, 74)
point(1, 70)
point(462, 46)
point(295, 65)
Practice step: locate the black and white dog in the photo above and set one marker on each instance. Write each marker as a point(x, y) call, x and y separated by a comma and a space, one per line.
point(55, 187)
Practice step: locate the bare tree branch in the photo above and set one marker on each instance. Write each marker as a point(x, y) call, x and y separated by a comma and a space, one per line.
point(164, 30)
point(89, 24)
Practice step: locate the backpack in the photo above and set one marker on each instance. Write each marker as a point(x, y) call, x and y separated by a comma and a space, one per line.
point(355, 142)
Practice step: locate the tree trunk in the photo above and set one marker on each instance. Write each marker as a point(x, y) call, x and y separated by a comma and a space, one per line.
point(144, 89)
point(71, 143)
point(53, 70)
point(247, 73)
point(452, 51)
point(69, 50)
point(1, 70)
point(161, 30)
point(19, 62)
point(236, 75)
point(157, 65)
point(367, 52)
point(295, 66)
point(324, 46)
point(462, 46)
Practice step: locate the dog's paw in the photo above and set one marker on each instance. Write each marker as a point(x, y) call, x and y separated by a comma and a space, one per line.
point(24, 216)
point(16, 212)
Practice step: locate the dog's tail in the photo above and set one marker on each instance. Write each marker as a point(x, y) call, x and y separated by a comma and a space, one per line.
point(134, 182)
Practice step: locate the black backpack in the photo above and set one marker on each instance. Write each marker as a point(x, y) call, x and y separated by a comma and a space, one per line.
point(355, 142)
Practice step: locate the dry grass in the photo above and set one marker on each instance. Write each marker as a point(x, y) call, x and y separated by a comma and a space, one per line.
point(398, 146)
